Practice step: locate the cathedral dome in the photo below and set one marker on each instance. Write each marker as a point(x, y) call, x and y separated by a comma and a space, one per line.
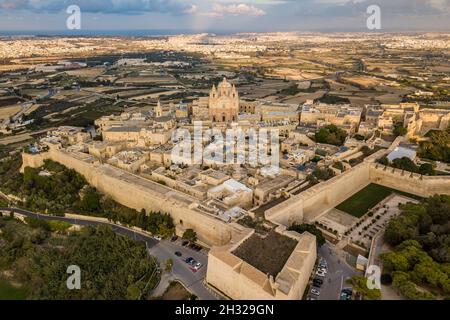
point(224, 84)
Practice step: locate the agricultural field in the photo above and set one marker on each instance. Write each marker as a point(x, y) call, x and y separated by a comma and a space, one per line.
point(9, 111)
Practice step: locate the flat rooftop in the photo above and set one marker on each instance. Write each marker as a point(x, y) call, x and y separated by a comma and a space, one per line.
point(268, 254)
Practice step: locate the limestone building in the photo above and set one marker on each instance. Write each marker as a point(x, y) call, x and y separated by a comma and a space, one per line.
point(275, 266)
point(321, 114)
point(224, 103)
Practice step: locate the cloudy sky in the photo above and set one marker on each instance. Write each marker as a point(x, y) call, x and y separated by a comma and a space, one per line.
point(226, 15)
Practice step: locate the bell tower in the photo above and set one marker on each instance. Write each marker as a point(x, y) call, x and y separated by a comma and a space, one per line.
point(158, 110)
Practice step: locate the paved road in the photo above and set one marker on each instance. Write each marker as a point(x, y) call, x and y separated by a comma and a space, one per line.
point(161, 250)
point(338, 273)
point(193, 281)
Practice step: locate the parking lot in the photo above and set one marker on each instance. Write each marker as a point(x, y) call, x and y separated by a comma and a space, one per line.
point(337, 272)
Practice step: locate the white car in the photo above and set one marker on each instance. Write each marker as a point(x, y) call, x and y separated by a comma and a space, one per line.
point(197, 265)
point(324, 270)
point(157, 238)
point(320, 273)
point(315, 292)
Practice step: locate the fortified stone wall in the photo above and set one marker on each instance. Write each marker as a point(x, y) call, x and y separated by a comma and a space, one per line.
point(32, 160)
point(237, 284)
point(405, 181)
point(241, 281)
point(139, 193)
point(308, 205)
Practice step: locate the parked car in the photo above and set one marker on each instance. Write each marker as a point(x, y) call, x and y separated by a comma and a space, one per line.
point(315, 292)
point(322, 270)
point(318, 280)
point(174, 238)
point(346, 294)
point(193, 264)
point(320, 273)
point(157, 238)
point(189, 260)
point(178, 253)
point(197, 265)
point(348, 291)
point(317, 284)
point(185, 243)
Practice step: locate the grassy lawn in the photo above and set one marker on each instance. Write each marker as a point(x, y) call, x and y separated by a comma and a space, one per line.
point(367, 198)
point(176, 291)
point(8, 292)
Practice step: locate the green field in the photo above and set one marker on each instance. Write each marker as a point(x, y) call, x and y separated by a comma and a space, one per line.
point(8, 292)
point(367, 198)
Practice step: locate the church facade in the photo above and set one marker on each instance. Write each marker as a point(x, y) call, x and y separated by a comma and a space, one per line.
point(222, 105)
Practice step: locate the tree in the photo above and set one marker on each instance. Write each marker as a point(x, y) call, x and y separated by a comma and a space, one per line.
point(91, 200)
point(402, 282)
point(301, 228)
point(420, 235)
point(323, 173)
point(133, 292)
point(359, 285)
point(399, 130)
point(366, 151)
point(114, 267)
point(438, 148)
point(395, 261)
point(405, 163)
point(190, 235)
point(169, 265)
point(427, 169)
point(384, 161)
point(331, 134)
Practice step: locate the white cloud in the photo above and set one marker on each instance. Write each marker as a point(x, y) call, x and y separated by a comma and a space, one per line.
point(193, 9)
point(219, 10)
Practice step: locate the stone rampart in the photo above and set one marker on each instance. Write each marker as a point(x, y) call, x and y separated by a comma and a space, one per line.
point(139, 193)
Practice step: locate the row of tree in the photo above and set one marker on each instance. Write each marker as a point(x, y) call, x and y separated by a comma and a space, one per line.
point(421, 259)
point(55, 189)
point(438, 147)
point(407, 164)
point(112, 266)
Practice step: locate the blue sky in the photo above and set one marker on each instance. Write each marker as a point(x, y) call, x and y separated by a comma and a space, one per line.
point(226, 15)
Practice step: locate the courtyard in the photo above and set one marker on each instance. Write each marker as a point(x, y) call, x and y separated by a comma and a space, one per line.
point(377, 220)
point(267, 254)
point(361, 202)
